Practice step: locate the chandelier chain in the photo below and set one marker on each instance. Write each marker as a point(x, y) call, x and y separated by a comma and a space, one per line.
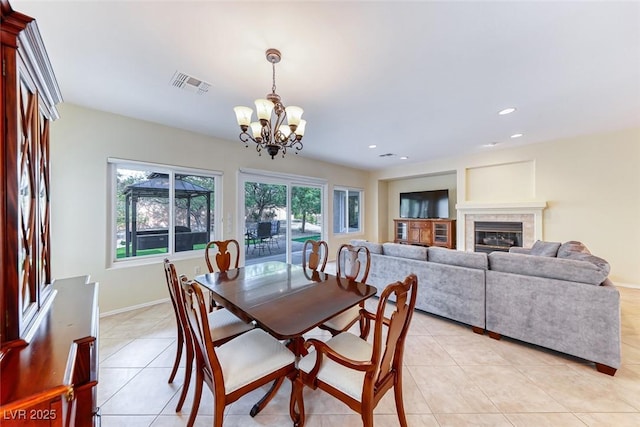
point(273, 88)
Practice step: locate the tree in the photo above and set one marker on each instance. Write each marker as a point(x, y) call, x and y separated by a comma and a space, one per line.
point(305, 201)
point(260, 198)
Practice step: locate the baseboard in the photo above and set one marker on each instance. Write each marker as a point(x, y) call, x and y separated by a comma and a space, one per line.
point(627, 285)
point(134, 307)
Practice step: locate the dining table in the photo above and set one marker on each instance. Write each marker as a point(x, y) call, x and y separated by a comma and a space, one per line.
point(283, 299)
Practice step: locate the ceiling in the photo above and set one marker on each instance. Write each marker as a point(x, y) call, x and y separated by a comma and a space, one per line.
point(417, 79)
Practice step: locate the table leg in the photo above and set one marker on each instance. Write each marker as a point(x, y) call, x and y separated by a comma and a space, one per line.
point(296, 345)
point(267, 397)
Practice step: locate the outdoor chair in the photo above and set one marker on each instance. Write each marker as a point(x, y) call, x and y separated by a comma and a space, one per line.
point(275, 233)
point(355, 371)
point(235, 368)
point(349, 265)
point(263, 235)
point(226, 326)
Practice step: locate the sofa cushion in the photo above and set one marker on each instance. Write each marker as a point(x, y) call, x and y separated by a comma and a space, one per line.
point(374, 248)
point(405, 251)
point(600, 263)
point(459, 258)
point(573, 270)
point(541, 248)
point(571, 247)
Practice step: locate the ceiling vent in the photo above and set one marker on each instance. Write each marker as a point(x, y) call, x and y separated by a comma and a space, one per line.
point(189, 83)
point(387, 155)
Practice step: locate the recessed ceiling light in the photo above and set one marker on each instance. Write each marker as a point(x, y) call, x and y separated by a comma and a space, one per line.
point(404, 158)
point(516, 135)
point(507, 111)
point(373, 146)
point(491, 144)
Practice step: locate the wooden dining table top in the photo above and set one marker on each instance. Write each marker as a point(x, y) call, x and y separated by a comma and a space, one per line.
point(284, 299)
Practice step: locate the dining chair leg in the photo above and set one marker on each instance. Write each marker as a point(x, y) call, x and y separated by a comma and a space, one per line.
point(176, 363)
point(187, 378)
point(218, 412)
point(267, 397)
point(296, 403)
point(197, 394)
point(397, 391)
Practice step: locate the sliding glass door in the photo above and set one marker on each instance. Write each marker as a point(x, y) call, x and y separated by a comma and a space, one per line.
point(306, 218)
point(280, 213)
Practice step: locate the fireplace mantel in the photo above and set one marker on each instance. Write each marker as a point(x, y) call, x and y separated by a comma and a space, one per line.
point(528, 212)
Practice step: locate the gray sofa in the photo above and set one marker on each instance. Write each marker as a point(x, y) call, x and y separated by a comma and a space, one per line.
point(552, 295)
point(451, 283)
point(560, 299)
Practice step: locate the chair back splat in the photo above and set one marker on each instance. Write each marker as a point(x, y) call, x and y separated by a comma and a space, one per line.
point(225, 257)
point(349, 262)
point(352, 263)
point(397, 324)
point(376, 367)
point(318, 252)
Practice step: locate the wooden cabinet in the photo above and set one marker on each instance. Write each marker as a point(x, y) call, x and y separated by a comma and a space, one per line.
point(48, 330)
point(427, 232)
point(29, 93)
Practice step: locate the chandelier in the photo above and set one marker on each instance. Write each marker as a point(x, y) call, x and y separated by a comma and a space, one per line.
point(269, 132)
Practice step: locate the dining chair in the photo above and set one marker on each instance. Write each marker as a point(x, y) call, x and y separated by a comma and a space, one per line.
point(358, 372)
point(318, 252)
point(226, 327)
point(227, 254)
point(349, 264)
point(236, 367)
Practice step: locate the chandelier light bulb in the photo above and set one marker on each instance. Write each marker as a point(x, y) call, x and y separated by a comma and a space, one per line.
point(264, 108)
point(256, 129)
point(294, 115)
point(243, 115)
point(300, 129)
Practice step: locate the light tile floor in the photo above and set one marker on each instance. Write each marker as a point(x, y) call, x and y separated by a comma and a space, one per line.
point(452, 377)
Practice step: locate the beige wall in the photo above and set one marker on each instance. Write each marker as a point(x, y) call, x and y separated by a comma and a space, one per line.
point(81, 142)
point(591, 185)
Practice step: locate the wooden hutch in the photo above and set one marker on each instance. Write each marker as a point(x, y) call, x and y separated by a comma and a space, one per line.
point(48, 329)
point(426, 232)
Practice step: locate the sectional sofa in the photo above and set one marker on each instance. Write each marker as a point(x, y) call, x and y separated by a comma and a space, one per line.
point(553, 295)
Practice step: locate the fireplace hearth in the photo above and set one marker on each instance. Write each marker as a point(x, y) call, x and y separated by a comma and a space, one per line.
point(497, 235)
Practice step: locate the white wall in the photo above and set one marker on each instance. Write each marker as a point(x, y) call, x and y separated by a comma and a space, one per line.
point(591, 185)
point(83, 139)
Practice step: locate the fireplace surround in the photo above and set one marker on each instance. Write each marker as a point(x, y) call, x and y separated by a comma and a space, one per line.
point(528, 213)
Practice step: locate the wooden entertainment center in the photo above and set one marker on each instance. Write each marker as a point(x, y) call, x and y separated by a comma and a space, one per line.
point(426, 232)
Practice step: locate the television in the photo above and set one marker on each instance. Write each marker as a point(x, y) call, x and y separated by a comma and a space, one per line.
point(425, 204)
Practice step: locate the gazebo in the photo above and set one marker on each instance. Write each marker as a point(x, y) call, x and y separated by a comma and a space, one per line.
point(157, 186)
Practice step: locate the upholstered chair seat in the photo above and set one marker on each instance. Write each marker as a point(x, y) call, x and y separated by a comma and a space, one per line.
point(344, 320)
point(345, 379)
point(225, 325)
point(250, 357)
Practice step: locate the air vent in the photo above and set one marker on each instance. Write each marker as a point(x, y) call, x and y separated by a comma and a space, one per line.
point(387, 155)
point(189, 83)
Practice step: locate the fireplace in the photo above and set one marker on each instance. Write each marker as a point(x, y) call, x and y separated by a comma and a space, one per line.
point(527, 213)
point(497, 235)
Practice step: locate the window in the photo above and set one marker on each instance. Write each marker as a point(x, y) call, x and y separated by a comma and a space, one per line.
point(159, 210)
point(347, 216)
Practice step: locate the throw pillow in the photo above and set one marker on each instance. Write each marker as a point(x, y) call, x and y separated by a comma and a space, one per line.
point(541, 248)
point(572, 247)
